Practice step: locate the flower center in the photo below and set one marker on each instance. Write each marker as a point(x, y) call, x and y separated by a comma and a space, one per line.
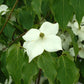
point(41, 35)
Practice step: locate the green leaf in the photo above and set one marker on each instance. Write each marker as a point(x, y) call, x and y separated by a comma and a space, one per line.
point(74, 42)
point(10, 3)
point(47, 64)
point(62, 11)
point(78, 6)
point(82, 68)
point(67, 73)
point(45, 5)
point(9, 30)
point(3, 64)
point(36, 5)
point(26, 18)
point(1, 1)
point(29, 70)
point(27, 2)
point(15, 61)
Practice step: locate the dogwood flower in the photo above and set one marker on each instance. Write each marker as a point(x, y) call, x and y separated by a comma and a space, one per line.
point(81, 50)
point(45, 38)
point(3, 9)
point(66, 40)
point(77, 30)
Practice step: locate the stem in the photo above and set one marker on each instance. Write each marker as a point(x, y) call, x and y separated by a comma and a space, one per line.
point(39, 76)
point(17, 38)
point(9, 16)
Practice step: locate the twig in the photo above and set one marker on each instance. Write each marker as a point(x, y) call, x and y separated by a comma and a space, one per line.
point(17, 38)
point(39, 76)
point(9, 16)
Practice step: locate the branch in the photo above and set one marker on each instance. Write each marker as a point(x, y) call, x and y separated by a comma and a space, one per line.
point(9, 16)
point(17, 38)
point(39, 76)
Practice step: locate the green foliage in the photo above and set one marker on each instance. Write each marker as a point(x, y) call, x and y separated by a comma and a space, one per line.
point(1, 1)
point(3, 64)
point(57, 67)
point(78, 7)
point(67, 72)
point(36, 5)
point(29, 70)
point(26, 18)
point(9, 30)
point(62, 11)
point(82, 68)
point(10, 3)
point(15, 61)
point(46, 63)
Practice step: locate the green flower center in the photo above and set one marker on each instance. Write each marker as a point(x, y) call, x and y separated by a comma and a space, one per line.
point(41, 35)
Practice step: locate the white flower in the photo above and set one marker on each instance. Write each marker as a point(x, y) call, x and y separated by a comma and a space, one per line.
point(66, 40)
point(43, 39)
point(78, 30)
point(3, 9)
point(81, 50)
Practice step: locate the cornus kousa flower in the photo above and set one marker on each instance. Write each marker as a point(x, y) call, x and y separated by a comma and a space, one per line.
point(38, 40)
point(81, 50)
point(3, 9)
point(78, 30)
point(66, 40)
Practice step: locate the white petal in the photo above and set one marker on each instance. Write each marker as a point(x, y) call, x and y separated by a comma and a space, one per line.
point(33, 49)
point(75, 28)
point(81, 35)
point(66, 40)
point(72, 53)
point(81, 53)
point(31, 35)
point(49, 28)
point(82, 19)
point(52, 43)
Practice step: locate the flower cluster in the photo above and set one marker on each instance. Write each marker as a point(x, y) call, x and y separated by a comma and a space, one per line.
point(78, 30)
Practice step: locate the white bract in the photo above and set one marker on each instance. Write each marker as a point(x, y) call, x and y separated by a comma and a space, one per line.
point(66, 40)
point(81, 50)
point(3, 9)
point(78, 30)
point(38, 40)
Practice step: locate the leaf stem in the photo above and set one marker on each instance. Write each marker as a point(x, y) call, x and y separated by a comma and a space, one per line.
point(9, 16)
point(39, 76)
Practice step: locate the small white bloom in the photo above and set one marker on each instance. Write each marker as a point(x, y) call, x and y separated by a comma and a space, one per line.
point(43, 39)
point(66, 40)
point(3, 9)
